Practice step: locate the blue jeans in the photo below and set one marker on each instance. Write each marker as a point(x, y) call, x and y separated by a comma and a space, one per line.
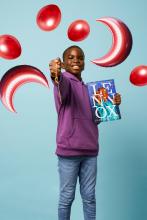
point(70, 168)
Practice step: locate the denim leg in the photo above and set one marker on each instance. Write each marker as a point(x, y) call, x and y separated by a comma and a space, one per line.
point(87, 180)
point(68, 172)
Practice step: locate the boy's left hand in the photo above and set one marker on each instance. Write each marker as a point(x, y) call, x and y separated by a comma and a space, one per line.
point(117, 99)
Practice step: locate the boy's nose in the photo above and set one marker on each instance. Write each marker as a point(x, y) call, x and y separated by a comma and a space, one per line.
point(76, 60)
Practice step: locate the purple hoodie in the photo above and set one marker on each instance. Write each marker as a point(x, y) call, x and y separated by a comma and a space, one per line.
point(77, 134)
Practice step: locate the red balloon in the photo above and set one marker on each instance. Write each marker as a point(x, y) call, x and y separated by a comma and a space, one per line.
point(138, 76)
point(78, 30)
point(49, 17)
point(14, 78)
point(10, 47)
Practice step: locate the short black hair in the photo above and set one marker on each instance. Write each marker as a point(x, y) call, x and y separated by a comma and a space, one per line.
point(73, 46)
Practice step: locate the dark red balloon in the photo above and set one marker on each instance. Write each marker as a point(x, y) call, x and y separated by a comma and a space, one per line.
point(10, 47)
point(138, 76)
point(49, 17)
point(78, 30)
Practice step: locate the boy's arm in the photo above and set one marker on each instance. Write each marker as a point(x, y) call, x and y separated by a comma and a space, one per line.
point(55, 70)
point(61, 82)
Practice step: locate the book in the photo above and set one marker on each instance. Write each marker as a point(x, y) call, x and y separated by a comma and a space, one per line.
point(101, 95)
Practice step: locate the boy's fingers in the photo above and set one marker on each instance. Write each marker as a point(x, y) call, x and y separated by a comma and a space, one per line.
point(55, 67)
point(117, 94)
point(58, 60)
point(117, 97)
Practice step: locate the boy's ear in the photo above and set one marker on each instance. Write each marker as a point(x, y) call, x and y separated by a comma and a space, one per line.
point(62, 65)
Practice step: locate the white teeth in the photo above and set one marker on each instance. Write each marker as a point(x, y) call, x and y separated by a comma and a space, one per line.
point(76, 67)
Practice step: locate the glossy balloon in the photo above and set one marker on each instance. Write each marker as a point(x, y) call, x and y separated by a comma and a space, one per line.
point(16, 77)
point(78, 30)
point(49, 17)
point(121, 44)
point(10, 47)
point(138, 76)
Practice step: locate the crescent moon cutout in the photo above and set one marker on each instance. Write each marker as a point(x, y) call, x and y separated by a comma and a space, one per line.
point(16, 77)
point(121, 43)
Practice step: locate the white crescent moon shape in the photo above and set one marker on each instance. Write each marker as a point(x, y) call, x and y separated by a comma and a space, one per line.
point(121, 43)
point(16, 77)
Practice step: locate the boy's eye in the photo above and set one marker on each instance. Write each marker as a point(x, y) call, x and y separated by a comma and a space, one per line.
point(70, 57)
point(81, 58)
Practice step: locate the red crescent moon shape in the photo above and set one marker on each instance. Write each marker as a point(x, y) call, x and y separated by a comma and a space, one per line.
point(14, 78)
point(121, 43)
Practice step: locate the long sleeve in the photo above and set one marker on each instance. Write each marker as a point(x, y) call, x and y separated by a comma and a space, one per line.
point(61, 90)
point(64, 87)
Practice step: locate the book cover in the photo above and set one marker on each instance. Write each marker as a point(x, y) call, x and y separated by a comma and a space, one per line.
point(101, 95)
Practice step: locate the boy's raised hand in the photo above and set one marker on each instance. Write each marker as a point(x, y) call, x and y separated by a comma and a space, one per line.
point(55, 67)
point(117, 99)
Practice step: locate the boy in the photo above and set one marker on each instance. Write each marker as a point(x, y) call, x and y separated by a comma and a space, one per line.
point(77, 134)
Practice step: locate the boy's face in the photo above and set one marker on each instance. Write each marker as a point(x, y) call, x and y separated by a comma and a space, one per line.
point(74, 61)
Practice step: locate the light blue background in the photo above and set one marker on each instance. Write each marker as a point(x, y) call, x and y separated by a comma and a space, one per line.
point(28, 165)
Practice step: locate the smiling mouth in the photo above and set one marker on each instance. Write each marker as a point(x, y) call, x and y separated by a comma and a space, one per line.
point(75, 67)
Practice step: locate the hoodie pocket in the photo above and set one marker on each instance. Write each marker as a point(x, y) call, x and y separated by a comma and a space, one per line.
point(65, 132)
point(84, 135)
